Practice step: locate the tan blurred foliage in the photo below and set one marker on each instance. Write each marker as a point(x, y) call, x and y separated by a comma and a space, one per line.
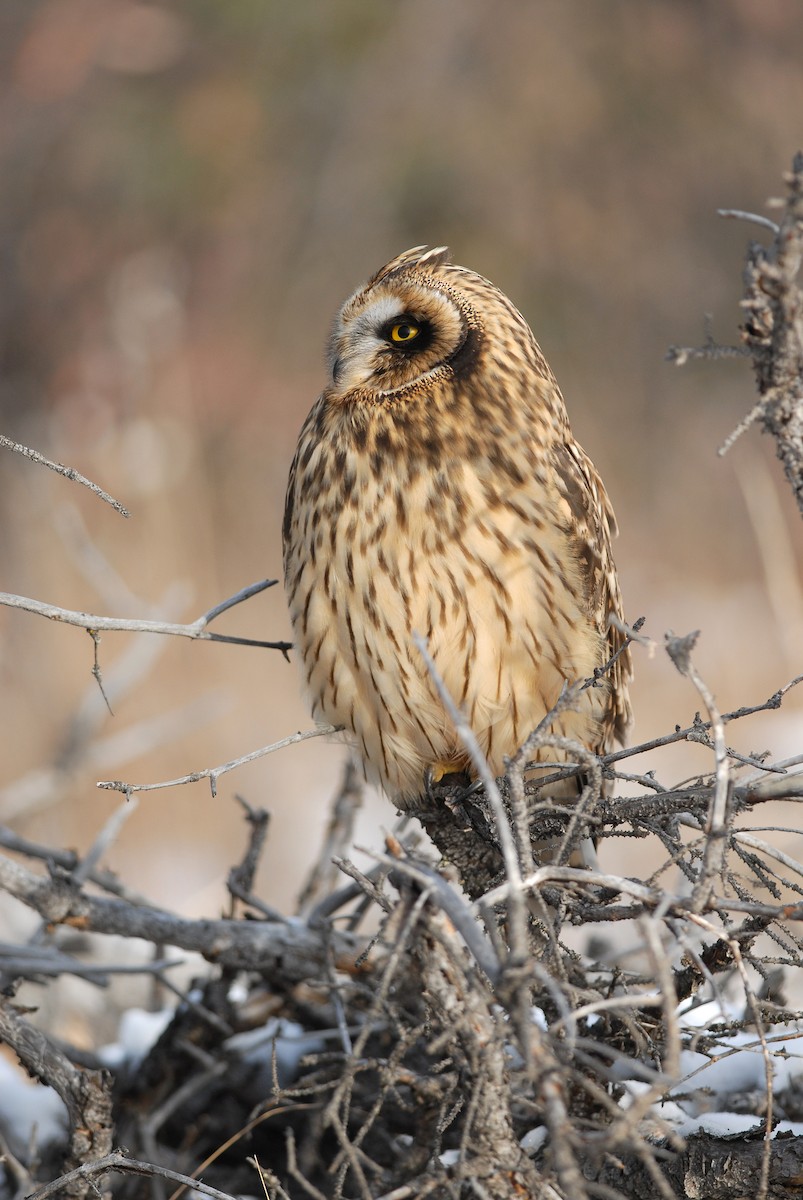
point(190, 191)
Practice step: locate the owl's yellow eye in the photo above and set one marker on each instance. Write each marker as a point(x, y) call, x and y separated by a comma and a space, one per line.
point(404, 331)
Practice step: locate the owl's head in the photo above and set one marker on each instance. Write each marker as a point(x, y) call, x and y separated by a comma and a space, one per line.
point(413, 323)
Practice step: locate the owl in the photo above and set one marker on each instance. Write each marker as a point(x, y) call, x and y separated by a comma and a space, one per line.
point(437, 489)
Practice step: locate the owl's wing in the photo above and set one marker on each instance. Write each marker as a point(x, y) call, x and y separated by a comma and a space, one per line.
point(593, 526)
point(308, 438)
point(289, 508)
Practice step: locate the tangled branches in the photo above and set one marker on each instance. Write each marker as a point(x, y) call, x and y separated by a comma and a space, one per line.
point(438, 1057)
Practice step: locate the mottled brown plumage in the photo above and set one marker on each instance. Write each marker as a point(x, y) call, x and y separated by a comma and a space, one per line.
point(437, 488)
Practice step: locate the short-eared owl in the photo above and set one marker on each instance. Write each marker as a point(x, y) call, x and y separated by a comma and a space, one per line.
point(437, 488)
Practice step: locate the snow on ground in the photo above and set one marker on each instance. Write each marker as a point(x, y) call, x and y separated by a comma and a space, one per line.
point(29, 1109)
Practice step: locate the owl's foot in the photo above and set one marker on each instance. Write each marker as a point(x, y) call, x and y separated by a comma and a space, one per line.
point(443, 776)
point(436, 772)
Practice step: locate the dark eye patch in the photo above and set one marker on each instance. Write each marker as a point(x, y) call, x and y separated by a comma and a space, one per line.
point(407, 334)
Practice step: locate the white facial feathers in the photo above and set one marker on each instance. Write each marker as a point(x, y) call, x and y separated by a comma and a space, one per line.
point(362, 353)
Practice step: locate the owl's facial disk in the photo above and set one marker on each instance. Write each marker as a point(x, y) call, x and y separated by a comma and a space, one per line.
point(391, 335)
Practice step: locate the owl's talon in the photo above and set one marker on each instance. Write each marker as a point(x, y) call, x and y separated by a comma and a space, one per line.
point(450, 780)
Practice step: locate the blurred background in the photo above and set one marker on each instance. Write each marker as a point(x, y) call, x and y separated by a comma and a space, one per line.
point(190, 191)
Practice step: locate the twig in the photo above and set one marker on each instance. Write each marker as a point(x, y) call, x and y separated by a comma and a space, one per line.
point(691, 732)
point(240, 879)
point(749, 839)
point(743, 426)
point(612, 1004)
point(96, 671)
point(366, 883)
point(68, 861)
point(711, 349)
point(506, 843)
point(737, 214)
point(717, 824)
point(337, 839)
point(648, 897)
point(67, 472)
point(453, 904)
point(755, 1014)
point(337, 1002)
point(33, 960)
point(15, 1169)
point(214, 773)
point(336, 1111)
point(773, 331)
point(119, 1162)
point(295, 1172)
point(196, 630)
point(662, 972)
point(102, 843)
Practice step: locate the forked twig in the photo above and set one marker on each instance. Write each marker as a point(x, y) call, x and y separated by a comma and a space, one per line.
point(196, 630)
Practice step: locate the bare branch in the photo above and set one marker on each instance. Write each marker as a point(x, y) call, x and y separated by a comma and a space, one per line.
point(773, 331)
point(743, 426)
point(692, 732)
point(240, 879)
point(86, 1094)
point(755, 1013)
point(737, 214)
point(120, 1163)
point(505, 835)
point(197, 630)
point(337, 839)
point(214, 773)
point(67, 472)
point(242, 945)
point(717, 825)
